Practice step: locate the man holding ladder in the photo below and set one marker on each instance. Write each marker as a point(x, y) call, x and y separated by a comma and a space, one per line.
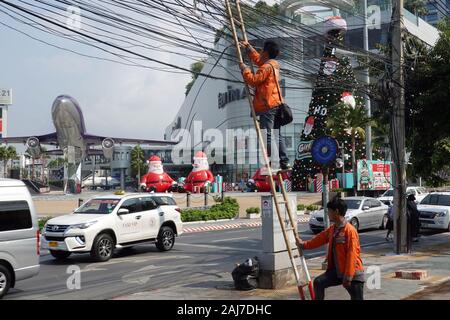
point(267, 93)
point(345, 266)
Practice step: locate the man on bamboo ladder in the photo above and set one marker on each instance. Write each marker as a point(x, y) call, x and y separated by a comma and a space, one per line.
point(267, 93)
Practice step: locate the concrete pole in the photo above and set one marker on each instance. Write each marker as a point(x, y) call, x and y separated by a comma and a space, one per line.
point(93, 173)
point(398, 147)
point(122, 178)
point(367, 81)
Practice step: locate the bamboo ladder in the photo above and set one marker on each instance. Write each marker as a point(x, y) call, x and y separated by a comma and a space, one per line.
point(292, 227)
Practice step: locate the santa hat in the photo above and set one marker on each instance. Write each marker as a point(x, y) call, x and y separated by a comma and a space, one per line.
point(348, 99)
point(201, 155)
point(154, 159)
point(335, 24)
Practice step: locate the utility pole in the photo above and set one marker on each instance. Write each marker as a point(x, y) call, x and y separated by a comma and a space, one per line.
point(367, 81)
point(398, 132)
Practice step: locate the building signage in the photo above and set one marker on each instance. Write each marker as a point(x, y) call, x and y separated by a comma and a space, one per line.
point(374, 175)
point(230, 96)
point(5, 97)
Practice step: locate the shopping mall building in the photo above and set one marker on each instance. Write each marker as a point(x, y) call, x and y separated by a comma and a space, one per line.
point(222, 104)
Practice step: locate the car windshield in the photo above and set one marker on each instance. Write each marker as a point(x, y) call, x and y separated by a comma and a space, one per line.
point(389, 193)
point(437, 200)
point(353, 204)
point(98, 206)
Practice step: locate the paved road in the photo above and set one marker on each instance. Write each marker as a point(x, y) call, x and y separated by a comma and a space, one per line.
point(195, 259)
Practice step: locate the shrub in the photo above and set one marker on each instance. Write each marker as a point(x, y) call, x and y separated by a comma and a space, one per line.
point(312, 207)
point(253, 210)
point(43, 221)
point(301, 207)
point(228, 209)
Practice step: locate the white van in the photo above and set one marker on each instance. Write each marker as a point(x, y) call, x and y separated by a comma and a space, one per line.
point(19, 235)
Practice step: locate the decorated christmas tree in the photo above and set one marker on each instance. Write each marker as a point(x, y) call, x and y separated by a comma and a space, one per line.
point(334, 88)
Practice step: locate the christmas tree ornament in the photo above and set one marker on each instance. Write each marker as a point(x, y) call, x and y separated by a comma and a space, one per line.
point(348, 99)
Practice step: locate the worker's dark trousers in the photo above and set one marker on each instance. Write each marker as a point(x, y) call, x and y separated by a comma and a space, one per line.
point(267, 122)
point(330, 279)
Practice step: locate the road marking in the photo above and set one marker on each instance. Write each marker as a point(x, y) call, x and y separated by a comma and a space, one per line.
point(231, 239)
point(216, 247)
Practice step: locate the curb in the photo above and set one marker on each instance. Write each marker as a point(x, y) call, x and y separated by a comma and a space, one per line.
point(233, 226)
point(413, 274)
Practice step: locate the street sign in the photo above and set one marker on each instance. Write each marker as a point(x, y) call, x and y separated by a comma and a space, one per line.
point(5, 97)
point(324, 150)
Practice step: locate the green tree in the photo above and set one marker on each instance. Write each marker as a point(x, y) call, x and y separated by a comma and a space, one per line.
point(138, 164)
point(196, 68)
point(418, 7)
point(56, 163)
point(344, 122)
point(11, 153)
point(428, 107)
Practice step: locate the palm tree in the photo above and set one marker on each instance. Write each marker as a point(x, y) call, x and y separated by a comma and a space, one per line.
point(11, 154)
point(137, 162)
point(344, 120)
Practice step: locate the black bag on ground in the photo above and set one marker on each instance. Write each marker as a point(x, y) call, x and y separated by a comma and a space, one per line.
point(284, 113)
point(245, 275)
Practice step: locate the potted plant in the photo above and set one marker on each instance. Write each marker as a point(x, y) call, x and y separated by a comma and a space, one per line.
point(253, 212)
point(301, 208)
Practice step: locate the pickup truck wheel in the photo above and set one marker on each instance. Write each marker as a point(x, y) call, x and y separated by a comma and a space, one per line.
point(103, 247)
point(60, 255)
point(166, 239)
point(5, 280)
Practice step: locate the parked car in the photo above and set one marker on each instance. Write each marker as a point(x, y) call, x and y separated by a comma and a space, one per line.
point(115, 221)
point(388, 197)
point(434, 211)
point(19, 235)
point(362, 213)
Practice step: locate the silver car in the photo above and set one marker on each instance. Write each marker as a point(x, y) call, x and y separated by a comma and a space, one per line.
point(362, 213)
point(19, 235)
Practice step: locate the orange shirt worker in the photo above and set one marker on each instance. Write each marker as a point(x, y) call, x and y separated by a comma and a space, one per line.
point(345, 266)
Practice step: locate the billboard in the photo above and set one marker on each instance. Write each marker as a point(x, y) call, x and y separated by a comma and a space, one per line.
point(374, 175)
point(5, 97)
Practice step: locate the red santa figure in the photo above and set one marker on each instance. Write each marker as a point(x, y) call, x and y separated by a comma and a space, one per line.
point(156, 179)
point(200, 176)
point(262, 182)
point(309, 125)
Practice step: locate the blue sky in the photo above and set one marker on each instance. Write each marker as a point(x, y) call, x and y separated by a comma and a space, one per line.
point(116, 100)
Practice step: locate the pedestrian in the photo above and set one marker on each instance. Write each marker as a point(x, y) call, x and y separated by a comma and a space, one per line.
point(267, 97)
point(345, 266)
point(390, 223)
point(414, 217)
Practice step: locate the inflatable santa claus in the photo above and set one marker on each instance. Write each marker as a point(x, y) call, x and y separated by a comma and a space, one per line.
point(262, 182)
point(156, 179)
point(200, 176)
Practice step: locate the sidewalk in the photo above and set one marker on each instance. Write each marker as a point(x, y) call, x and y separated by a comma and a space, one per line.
point(432, 254)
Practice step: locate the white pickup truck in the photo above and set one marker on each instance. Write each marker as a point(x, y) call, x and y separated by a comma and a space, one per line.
point(434, 211)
